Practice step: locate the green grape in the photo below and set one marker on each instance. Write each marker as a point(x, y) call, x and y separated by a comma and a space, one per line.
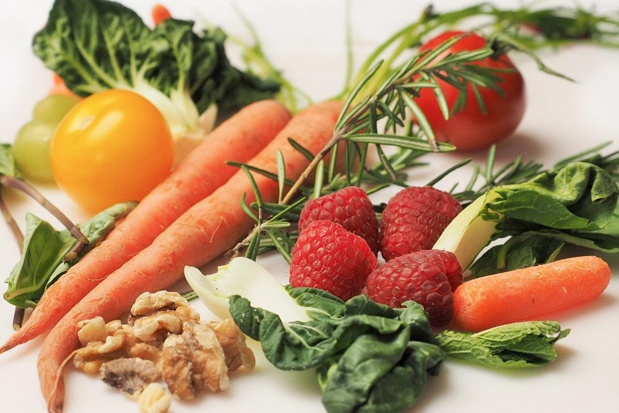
point(52, 108)
point(31, 145)
point(31, 150)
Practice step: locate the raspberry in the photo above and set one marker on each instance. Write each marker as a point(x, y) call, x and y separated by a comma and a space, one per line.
point(329, 257)
point(414, 219)
point(428, 277)
point(350, 207)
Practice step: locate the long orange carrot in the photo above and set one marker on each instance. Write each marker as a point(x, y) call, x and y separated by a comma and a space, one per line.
point(208, 229)
point(202, 171)
point(529, 293)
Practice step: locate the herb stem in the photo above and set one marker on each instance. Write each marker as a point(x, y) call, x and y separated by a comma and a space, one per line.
point(18, 313)
point(19, 184)
point(335, 139)
point(12, 224)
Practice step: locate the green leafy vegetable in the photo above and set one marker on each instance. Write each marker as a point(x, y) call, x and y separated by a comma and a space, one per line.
point(517, 345)
point(359, 349)
point(368, 357)
point(574, 204)
point(45, 250)
point(96, 45)
point(8, 167)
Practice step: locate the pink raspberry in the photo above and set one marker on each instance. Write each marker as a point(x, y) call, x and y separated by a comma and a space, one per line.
point(428, 277)
point(414, 219)
point(329, 257)
point(350, 207)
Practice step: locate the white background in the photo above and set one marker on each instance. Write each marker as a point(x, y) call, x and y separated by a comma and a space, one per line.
point(306, 40)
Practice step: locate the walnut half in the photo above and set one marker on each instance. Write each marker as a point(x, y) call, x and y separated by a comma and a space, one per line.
point(194, 360)
point(130, 375)
point(235, 348)
point(156, 315)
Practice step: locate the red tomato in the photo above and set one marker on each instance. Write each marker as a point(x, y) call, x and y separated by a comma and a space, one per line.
point(471, 128)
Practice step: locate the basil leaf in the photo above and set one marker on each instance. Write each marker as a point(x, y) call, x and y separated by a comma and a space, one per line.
point(8, 167)
point(44, 250)
point(516, 345)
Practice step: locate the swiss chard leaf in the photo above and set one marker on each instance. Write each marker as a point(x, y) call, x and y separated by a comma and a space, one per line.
point(45, 248)
point(96, 45)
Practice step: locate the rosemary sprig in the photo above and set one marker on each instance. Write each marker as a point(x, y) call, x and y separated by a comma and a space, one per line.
point(380, 112)
point(377, 120)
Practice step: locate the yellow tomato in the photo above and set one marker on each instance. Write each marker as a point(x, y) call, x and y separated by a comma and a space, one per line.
point(113, 146)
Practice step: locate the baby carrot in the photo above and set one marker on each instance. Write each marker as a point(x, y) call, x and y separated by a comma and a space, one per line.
point(159, 13)
point(529, 293)
point(197, 176)
point(208, 229)
point(59, 87)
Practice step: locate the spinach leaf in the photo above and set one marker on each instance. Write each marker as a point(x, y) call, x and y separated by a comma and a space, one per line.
point(579, 196)
point(367, 356)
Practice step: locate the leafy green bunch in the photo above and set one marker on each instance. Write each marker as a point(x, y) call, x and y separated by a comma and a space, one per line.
point(94, 45)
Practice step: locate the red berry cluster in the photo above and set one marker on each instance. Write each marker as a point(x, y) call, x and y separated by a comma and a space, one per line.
point(340, 238)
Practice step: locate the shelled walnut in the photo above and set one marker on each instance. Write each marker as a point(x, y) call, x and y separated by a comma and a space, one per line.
point(155, 315)
point(194, 360)
point(154, 399)
point(163, 339)
point(233, 343)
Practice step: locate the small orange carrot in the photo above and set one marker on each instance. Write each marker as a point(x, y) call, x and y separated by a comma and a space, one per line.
point(203, 170)
point(59, 87)
point(529, 293)
point(207, 230)
point(159, 13)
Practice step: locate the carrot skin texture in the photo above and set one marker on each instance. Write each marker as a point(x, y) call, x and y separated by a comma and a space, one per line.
point(204, 170)
point(207, 230)
point(529, 293)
